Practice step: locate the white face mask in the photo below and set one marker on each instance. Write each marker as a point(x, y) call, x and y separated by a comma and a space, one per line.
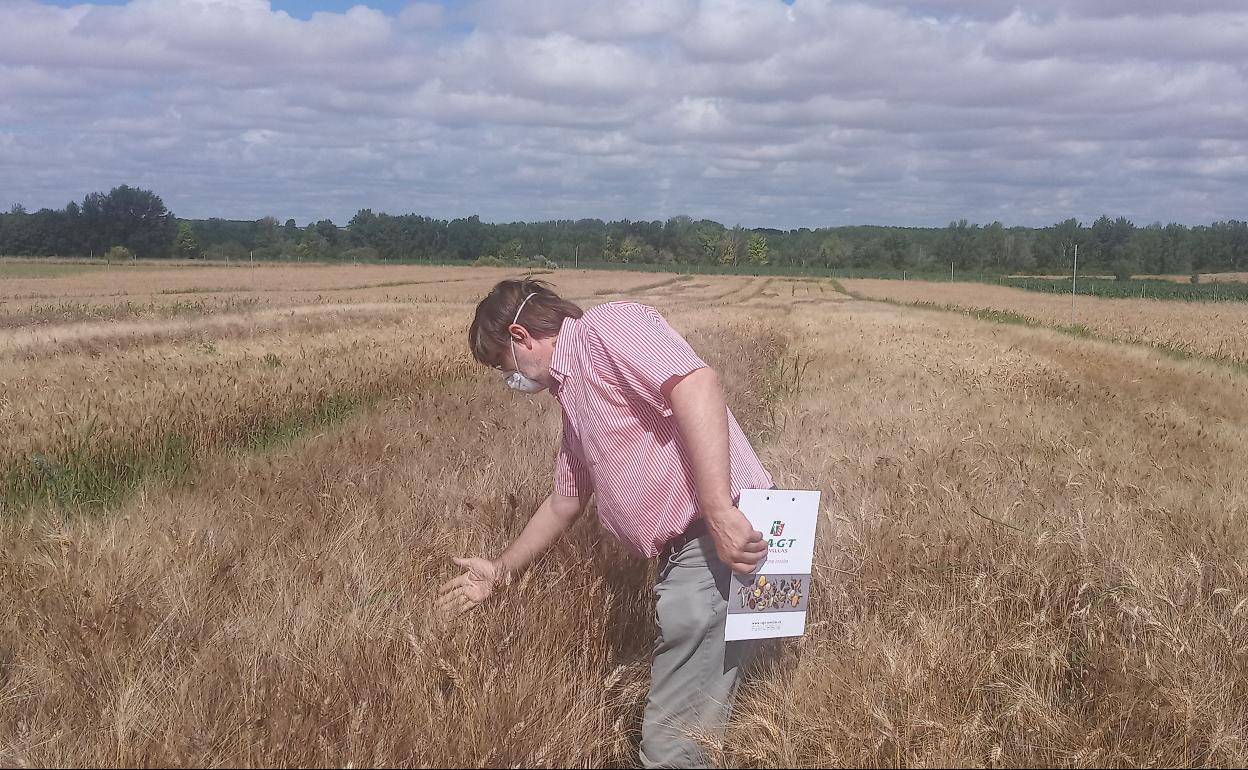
point(517, 380)
point(524, 384)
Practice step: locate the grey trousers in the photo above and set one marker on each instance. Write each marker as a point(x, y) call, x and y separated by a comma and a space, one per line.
point(695, 672)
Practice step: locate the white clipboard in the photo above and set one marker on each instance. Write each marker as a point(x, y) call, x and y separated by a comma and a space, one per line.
point(772, 601)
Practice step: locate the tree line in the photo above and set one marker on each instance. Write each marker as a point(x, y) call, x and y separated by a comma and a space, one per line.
point(129, 221)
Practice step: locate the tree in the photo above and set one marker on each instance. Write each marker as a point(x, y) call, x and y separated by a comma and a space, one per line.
point(630, 249)
point(329, 231)
point(1123, 268)
point(732, 245)
point(708, 242)
point(363, 228)
point(960, 245)
point(512, 250)
point(1109, 243)
point(896, 247)
point(267, 232)
point(869, 253)
point(17, 231)
point(186, 246)
point(682, 239)
point(1175, 254)
point(994, 245)
point(727, 248)
point(130, 217)
point(95, 224)
point(226, 251)
point(465, 238)
point(312, 245)
point(833, 252)
point(758, 250)
point(118, 254)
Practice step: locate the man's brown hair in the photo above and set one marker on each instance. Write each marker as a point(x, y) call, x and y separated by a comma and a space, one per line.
point(543, 314)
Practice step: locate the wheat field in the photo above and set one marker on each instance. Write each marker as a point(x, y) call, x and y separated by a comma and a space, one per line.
point(1216, 330)
point(228, 501)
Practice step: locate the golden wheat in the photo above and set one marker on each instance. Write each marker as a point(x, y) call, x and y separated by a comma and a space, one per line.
point(1212, 329)
point(1031, 552)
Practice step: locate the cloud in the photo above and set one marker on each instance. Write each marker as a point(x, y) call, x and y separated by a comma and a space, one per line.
point(751, 111)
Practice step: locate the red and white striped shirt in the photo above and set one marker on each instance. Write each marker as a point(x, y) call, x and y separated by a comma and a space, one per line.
point(619, 436)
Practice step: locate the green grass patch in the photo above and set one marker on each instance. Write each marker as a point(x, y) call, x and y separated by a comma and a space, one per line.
point(282, 430)
point(1136, 288)
point(78, 476)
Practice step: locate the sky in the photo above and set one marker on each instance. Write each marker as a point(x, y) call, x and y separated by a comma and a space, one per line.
point(763, 113)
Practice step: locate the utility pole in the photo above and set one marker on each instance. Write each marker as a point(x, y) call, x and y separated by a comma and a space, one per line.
point(576, 257)
point(951, 271)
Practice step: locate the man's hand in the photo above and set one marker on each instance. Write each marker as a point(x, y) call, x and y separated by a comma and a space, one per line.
point(738, 544)
point(460, 594)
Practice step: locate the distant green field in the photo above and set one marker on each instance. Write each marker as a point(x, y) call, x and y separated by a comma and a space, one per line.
point(1138, 289)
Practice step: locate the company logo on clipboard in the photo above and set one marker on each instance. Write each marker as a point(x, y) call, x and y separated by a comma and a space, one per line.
point(777, 528)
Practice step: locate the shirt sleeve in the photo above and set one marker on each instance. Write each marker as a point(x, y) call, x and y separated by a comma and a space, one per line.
point(571, 476)
point(645, 351)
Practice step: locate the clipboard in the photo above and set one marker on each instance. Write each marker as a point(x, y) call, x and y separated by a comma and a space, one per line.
point(771, 602)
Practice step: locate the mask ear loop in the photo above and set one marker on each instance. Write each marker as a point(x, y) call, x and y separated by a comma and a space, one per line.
point(515, 321)
point(521, 308)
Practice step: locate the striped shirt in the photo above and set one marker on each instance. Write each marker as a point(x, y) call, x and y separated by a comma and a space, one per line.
point(620, 439)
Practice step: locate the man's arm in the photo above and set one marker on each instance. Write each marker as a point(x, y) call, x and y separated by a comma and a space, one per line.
point(481, 576)
point(553, 517)
point(701, 415)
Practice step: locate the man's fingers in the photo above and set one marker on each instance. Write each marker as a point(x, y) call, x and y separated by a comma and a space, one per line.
point(454, 604)
point(447, 599)
point(751, 551)
point(751, 562)
point(453, 583)
point(756, 536)
point(448, 591)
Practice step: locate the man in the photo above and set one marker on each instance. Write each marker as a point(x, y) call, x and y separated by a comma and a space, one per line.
point(646, 430)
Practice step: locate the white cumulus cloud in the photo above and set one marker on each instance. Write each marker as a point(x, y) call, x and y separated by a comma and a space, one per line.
point(754, 111)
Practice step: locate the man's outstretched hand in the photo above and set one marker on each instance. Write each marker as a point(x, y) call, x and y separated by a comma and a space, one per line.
point(460, 594)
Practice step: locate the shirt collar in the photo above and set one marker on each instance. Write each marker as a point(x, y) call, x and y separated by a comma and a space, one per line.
point(561, 358)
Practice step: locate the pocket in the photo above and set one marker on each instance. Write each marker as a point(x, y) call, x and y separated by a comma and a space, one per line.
point(687, 608)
